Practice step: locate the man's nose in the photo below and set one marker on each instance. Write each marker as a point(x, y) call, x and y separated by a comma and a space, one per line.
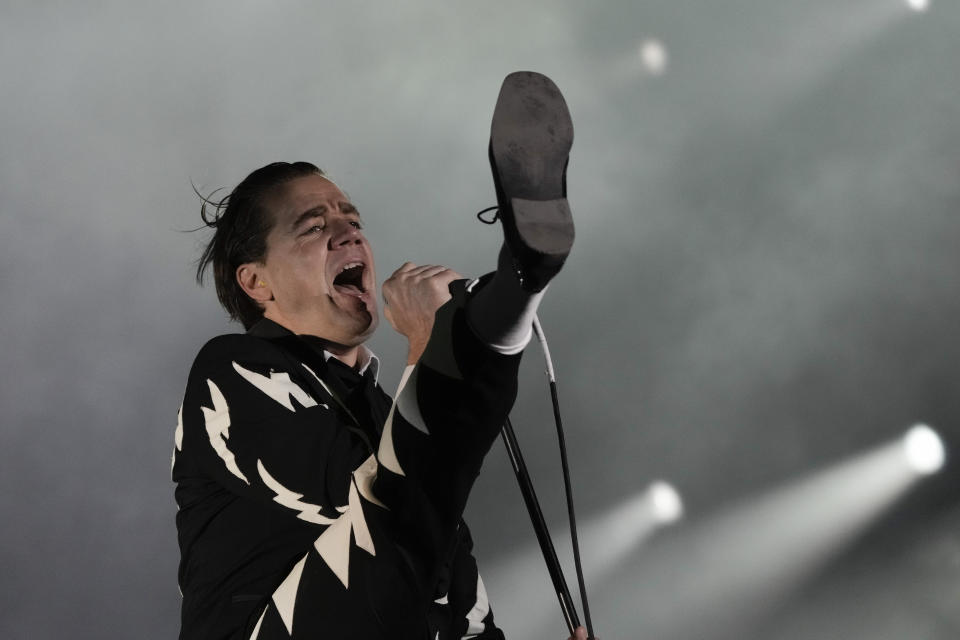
point(345, 234)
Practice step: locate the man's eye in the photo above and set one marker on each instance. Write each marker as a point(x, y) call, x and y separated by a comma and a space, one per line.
point(356, 224)
point(315, 229)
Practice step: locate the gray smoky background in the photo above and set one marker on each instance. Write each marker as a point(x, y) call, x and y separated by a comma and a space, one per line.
point(764, 285)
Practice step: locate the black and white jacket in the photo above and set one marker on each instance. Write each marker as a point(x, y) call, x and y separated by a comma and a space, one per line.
point(310, 505)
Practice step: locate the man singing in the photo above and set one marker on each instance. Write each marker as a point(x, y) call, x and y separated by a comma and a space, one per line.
point(310, 504)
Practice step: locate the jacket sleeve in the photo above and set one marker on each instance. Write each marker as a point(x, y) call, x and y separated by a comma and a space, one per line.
point(250, 423)
point(467, 595)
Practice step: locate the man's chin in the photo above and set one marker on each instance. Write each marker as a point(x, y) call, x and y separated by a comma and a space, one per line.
point(371, 324)
point(360, 325)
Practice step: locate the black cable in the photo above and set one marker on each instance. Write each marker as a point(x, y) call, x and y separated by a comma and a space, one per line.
point(570, 511)
point(567, 607)
point(561, 440)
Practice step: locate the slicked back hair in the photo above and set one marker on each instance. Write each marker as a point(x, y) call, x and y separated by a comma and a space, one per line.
point(241, 222)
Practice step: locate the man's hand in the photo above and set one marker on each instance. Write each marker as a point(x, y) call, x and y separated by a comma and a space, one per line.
point(412, 296)
point(580, 633)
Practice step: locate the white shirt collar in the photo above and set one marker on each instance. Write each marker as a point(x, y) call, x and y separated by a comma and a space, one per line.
point(366, 359)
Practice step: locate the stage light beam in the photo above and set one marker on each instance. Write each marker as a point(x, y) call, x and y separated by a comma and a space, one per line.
point(665, 502)
point(924, 449)
point(654, 57)
point(607, 540)
point(726, 572)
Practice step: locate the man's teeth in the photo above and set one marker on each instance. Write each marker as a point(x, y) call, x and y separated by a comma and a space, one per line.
point(351, 276)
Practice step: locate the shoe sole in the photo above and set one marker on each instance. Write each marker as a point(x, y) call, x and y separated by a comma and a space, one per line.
point(530, 141)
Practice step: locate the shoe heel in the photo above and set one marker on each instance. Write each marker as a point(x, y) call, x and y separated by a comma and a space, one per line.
point(544, 226)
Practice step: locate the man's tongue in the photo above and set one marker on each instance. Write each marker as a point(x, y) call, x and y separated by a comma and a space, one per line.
point(350, 281)
point(348, 289)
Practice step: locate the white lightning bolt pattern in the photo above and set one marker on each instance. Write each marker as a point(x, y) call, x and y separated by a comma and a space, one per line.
point(285, 597)
point(386, 451)
point(177, 438)
point(333, 545)
point(178, 434)
point(365, 474)
point(256, 629)
point(218, 429)
point(278, 386)
point(407, 403)
point(479, 611)
point(291, 500)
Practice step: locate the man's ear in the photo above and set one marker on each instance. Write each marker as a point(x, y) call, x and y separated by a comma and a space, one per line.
point(251, 278)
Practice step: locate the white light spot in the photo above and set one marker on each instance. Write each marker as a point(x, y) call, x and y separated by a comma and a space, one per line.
point(666, 502)
point(924, 449)
point(653, 55)
point(918, 5)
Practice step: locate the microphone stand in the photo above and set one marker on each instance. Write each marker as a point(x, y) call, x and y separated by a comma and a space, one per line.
point(540, 527)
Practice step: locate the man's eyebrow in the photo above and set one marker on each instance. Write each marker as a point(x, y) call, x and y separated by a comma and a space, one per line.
point(347, 207)
point(312, 212)
point(350, 209)
point(319, 210)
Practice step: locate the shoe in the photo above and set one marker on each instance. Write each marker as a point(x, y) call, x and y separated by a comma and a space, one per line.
point(530, 140)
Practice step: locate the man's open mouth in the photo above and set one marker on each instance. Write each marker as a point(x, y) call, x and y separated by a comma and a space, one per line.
point(350, 279)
